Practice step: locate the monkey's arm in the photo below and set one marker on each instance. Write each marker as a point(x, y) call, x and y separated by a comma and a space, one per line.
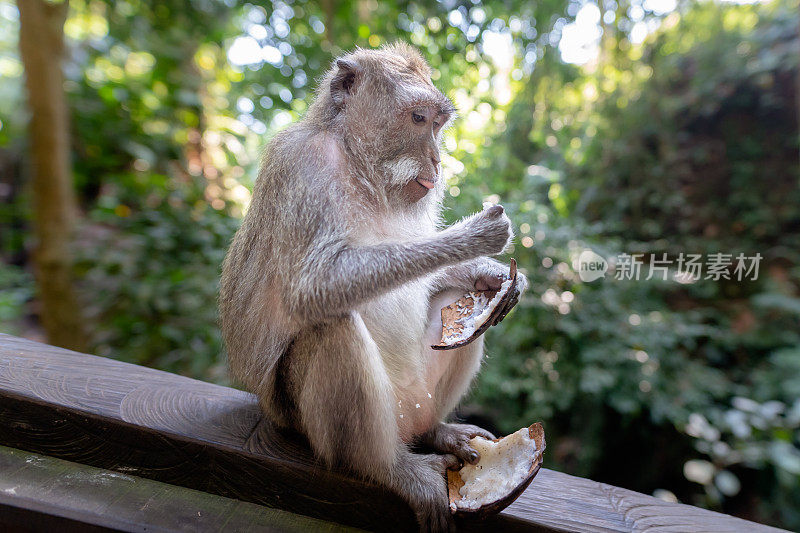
point(337, 277)
point(330, 275)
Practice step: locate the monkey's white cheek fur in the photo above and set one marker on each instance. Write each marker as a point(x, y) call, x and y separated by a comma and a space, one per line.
point(505, 469)
point(404, 169)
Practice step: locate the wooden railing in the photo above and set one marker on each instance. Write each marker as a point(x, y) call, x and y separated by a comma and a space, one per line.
point(146, 423)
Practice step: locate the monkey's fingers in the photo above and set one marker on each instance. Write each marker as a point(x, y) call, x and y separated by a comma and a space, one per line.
point(451, 462)
point(489, 282)
point(466, 453)
point(494, 211)
point(468, 431)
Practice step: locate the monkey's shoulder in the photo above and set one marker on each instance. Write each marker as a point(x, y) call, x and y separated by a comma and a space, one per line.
point(304, 152)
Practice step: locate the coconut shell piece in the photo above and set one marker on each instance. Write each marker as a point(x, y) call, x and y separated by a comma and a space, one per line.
point(460, 319)
point(454, 482)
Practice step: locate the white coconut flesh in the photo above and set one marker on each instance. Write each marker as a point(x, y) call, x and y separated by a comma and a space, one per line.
point(471, 312)
point(503, 466)
point(472, 321)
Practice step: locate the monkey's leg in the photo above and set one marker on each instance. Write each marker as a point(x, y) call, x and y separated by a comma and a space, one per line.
point(346, 409)
point(464, 364)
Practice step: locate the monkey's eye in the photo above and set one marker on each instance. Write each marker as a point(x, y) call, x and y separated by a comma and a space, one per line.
point(417, 118)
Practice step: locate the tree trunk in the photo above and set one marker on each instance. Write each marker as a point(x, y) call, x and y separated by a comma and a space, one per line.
point(41, 43)
point(328, 8)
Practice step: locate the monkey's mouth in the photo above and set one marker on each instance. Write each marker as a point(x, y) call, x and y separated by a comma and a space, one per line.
point(425, 182)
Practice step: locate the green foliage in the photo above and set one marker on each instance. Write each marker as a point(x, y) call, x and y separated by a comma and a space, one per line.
point(11, 123)
point(150, 281)
point(681, 135)
point(686, 143)
point(632, 158)
point(16, 288)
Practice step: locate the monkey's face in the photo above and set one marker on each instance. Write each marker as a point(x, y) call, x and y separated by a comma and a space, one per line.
point(417, 171)
point(393, 117)
point(413, 168)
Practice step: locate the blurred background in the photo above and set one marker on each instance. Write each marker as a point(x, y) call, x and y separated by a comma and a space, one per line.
point(641, 127)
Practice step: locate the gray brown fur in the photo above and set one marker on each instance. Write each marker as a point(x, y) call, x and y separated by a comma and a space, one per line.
point(331, 287)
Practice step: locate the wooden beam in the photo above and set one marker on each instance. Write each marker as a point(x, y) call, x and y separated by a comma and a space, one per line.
point(157, 425)
point(41, 493)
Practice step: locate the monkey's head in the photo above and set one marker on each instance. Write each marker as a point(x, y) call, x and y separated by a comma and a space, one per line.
point(392, 119)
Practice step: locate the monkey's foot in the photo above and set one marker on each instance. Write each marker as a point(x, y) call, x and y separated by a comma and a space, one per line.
point(420, 479)
point(454, 438)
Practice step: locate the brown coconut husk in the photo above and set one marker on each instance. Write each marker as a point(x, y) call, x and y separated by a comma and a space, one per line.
point(455, 314)
point(454, 481)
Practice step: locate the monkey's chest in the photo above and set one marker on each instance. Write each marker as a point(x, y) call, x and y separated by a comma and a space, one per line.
point(400, 324)
point(397, 322)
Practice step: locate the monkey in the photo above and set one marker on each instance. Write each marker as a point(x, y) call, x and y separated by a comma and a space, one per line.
point(332, 287)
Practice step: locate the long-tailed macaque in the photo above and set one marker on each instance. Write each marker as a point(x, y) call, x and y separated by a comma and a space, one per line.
point(332, 288)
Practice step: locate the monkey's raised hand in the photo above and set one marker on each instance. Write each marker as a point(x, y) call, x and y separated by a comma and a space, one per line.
point(489, 275)
point(489, 231)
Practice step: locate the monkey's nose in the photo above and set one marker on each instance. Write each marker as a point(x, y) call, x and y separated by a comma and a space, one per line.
point(435, 160)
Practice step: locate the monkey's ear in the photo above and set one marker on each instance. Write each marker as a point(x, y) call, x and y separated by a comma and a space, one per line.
point(344, 81)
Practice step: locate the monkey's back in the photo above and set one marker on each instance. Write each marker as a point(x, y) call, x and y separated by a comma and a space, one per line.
point(269, 247)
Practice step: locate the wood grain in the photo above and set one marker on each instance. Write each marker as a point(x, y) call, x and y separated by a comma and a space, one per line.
point(169, 428)
point(39, 493)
